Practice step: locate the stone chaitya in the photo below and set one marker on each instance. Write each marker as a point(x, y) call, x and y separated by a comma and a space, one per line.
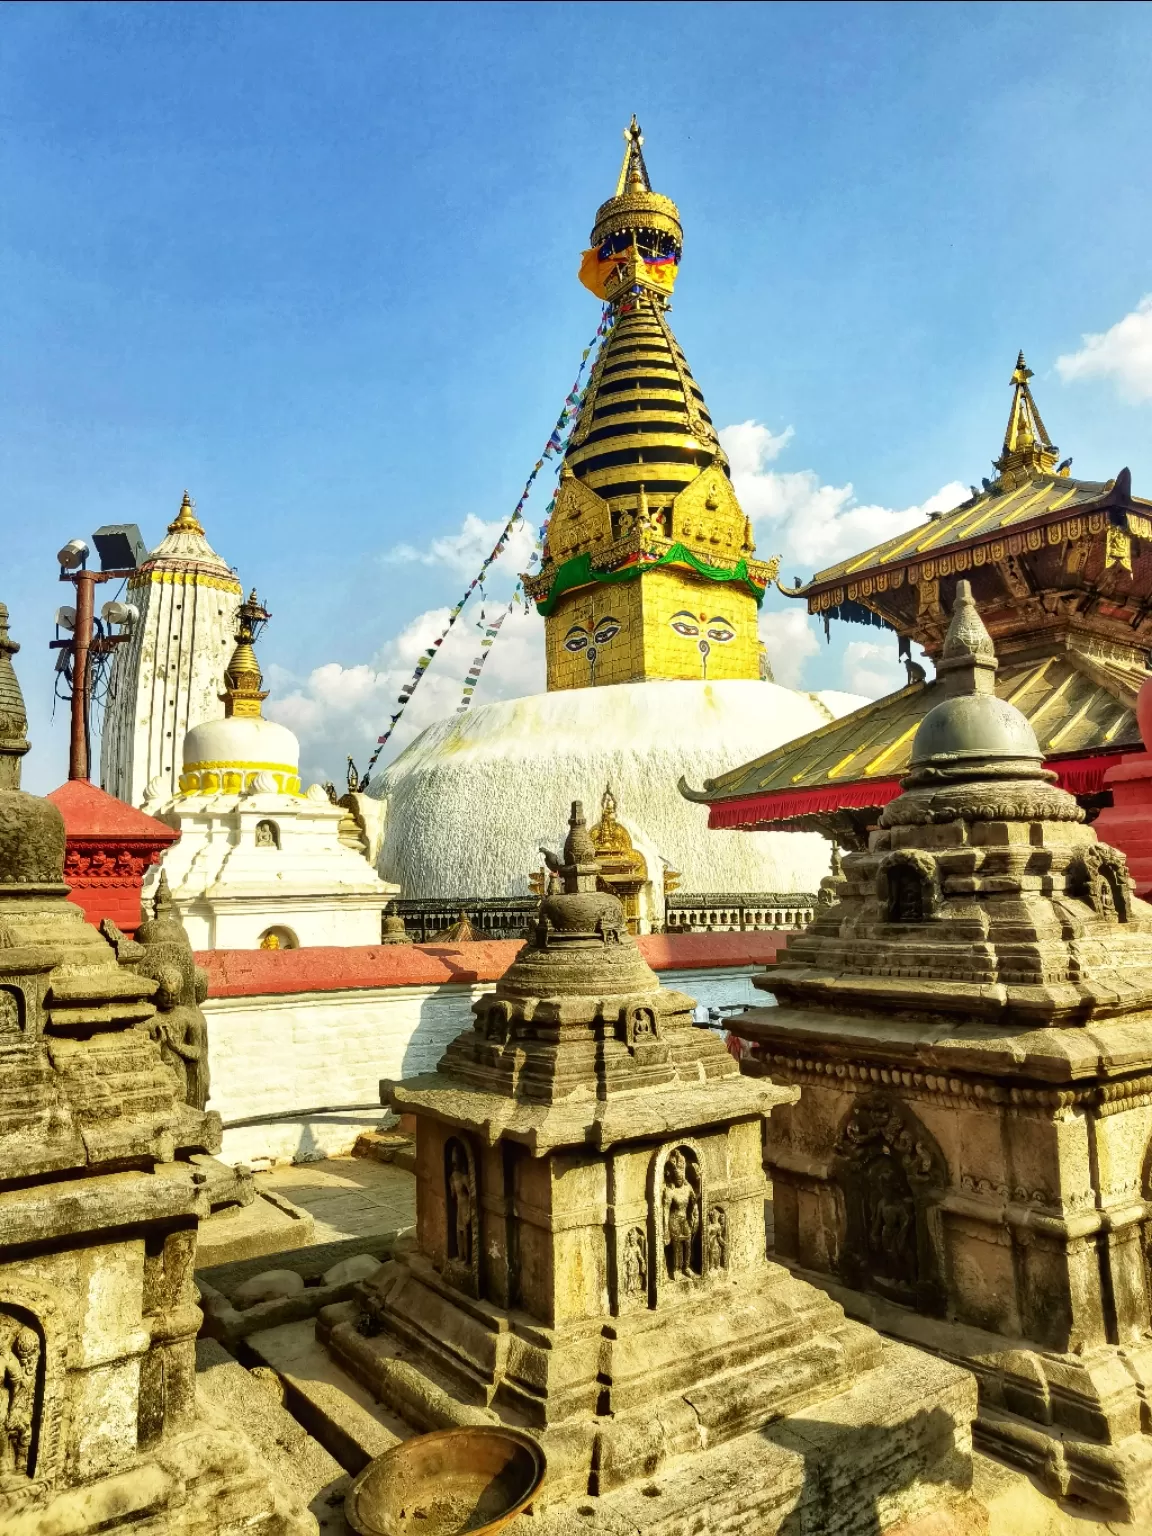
point(103, 1182)
point(968, 1163)
point(589, 1263)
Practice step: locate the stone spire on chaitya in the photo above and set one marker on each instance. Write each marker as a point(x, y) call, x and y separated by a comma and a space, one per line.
point(648, 568)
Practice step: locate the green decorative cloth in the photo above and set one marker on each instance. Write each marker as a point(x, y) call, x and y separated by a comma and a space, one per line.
point(578, 572)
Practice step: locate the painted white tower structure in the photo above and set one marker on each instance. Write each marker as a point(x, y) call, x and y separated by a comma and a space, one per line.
point(166, 679)
point(260, 865)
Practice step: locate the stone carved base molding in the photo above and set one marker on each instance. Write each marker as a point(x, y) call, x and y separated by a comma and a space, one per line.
point(885, 1446)
point(1107, 1393)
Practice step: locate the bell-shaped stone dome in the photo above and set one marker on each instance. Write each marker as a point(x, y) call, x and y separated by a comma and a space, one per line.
point(971, 726)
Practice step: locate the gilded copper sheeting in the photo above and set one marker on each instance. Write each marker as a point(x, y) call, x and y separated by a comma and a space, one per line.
point(1074, 703)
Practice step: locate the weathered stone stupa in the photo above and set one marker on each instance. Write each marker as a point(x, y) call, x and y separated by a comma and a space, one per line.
point(590, 1264)
point(103, 1181)
point(967, 1166)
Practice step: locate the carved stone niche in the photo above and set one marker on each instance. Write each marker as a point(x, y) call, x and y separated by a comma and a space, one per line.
point(642, 1034)
point(908, 887)
point(677, 1202)
point(12, 1011)
point(890, 1175)
point(1100, 877)
point(495, 1023)
point(461, 1203)
point(633, 1268)
point(32, 1364)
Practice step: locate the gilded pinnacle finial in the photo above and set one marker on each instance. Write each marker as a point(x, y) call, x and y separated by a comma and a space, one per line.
point(186, 520)
point(1028, 450)
point(242, 679)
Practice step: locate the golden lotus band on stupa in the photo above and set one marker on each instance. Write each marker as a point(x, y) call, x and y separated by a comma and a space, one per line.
point(1062, 573)
point(648, 568)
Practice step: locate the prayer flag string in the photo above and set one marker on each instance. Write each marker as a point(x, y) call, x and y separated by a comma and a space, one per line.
point(553, 448)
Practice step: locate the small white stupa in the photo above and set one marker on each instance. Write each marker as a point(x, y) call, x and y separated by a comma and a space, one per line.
point(166, 679)
point(260, 865)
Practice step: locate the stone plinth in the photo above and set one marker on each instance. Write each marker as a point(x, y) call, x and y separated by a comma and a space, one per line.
point(109, 847)
point(589, 1263)
point(105, 1178)
point(969, 1163)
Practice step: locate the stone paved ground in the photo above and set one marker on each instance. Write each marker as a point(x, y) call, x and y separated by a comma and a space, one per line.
point(347, 1196)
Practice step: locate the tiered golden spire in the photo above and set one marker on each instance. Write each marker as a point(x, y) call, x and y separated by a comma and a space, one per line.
point(186, 520)
point(242, 678)
point(1028, 450)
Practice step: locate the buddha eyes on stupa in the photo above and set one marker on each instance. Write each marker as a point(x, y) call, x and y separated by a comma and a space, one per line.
point(607, 629)
point(576, 639)
point(721, 631)
point(684, 623)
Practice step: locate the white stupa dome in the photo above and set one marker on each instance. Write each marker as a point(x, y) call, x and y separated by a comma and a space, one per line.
point(228, 755)
point(470, 801)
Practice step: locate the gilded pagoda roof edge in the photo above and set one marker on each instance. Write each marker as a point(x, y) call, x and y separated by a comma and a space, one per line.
point(713, 789)
point(1046, 498)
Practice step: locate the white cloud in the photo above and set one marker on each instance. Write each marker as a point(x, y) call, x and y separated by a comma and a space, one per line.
point(1123, 354)
point(463, 552)
point(338, 710)
point(872, 668)
point(810, 523)
point(791, 638)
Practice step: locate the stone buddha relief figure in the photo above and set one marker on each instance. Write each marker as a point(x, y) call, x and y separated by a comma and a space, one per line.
point(680, 1215)
point(462, 1234)
point(19, 1363)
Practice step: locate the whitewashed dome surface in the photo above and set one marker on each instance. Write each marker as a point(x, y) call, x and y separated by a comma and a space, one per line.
point(228, 754)
point(470, 801)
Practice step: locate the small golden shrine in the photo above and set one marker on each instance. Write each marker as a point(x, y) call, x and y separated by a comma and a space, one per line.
point(648, 568)
point(623, 868)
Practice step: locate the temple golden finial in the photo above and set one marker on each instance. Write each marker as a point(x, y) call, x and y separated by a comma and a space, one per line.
point(242, 679)
point(1028, 450)
point(633, 173)
point(186, 520)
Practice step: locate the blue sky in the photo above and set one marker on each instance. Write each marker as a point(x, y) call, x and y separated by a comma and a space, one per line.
point(317, 264)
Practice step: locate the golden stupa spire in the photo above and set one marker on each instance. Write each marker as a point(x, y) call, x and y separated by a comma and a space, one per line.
point(186, 520)
point(242, 679)
point(1028, 450)
point(633, 173)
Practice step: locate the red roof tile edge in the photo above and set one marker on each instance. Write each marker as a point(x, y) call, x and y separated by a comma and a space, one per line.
point(273, 973)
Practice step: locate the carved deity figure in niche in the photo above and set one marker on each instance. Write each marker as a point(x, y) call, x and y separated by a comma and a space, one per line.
point(906, 899)
point(890, 1172)
point(716, 1237)
point(182, 1032)
point(634, 1264)
point(680, 1212)
point(19, 1361)
point(266, 835)
point(9, 1012)
point(461, 1203)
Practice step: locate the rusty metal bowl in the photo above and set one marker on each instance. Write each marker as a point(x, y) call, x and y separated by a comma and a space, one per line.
point(453, 1482)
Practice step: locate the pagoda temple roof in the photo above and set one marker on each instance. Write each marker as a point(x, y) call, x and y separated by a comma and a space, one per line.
point(980, 517)
point(837, 778)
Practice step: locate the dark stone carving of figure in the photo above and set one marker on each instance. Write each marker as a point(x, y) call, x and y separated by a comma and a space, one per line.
point(179, 1025)
point(461, 1202)
point(716, 1237)
point(19, 1359)
point(635, 1262)
point(680, 1209)
point(907, 900)
point(890, 1172)
point(9, 1012)
point(180, 1029)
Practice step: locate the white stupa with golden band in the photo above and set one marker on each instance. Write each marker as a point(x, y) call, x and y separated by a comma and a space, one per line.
point(260, 864)
point(650, 590)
